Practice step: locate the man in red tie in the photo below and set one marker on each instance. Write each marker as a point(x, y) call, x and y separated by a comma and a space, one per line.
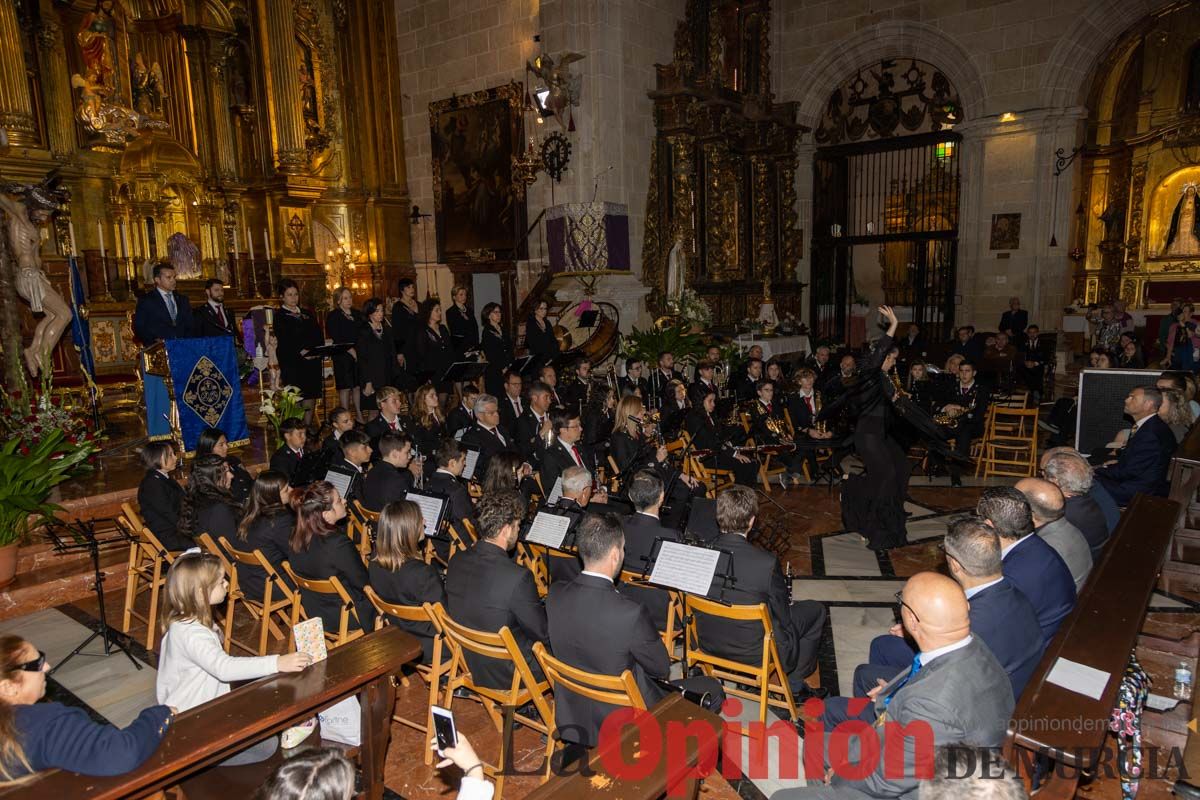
point(212, 318)
point(566, 451)
point(390, 401)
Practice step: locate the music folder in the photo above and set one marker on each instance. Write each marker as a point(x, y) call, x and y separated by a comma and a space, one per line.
point(468, 472)
point(588, 318)
point(685, 567)
point(549, 529)
point(433, 510)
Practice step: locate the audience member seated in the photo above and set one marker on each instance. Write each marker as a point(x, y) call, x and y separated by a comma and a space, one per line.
point(319, 549)
point(1146, 458)
point(1029, 562)
point(291, 452)
point(160, 498)
point(1072, 474)
point(266, 527)
point(193, 668)
point(485, 435)
point(399, 574)
point(207, 505)
point(955, 689)
point(1176, 413)
point(393, 475)
point(1047, 507)
point(486, 590)
point(797, 625)
point(966, 345)
point(214, 441)
point(1031, 367)
point(594, 628)
point(45, 735)
point(446, 481)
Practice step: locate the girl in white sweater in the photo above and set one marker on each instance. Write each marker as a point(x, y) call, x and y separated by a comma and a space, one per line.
point(192, 667)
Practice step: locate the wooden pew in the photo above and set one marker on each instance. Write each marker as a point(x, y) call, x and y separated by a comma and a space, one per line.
point(215, 731)
point(1101, 632)
point(665, 778)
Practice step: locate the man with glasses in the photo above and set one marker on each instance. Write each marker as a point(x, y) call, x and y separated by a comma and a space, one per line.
point(566, 450)
point(511, 406)
point(486, 435)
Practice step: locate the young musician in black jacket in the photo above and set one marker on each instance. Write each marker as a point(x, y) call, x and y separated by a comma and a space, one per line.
point(160, 498)
point(266, 527)
point(291, 452)
point(208, 507)
point(213, 440)
point(718, 441)
point(393, 475)
point(320, 549)
point(398, 573)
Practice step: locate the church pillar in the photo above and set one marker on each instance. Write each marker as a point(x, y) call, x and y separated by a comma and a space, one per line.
point(805, 152)
point(16, 111)
point(195, 44)
point(278, 41)
point(224, 153)
point(56, 85)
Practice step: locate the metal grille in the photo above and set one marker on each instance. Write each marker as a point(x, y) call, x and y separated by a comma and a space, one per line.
point(901, 195)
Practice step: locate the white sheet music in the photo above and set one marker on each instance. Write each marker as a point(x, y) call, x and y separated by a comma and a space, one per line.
point(340, 481)
point(431, 510)
point(684, 567)
point(458, 434)
point(556, 492)
point(469, 470)
point(548, 529)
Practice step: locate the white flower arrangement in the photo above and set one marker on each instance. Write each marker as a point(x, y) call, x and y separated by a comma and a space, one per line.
point(281, 404)
point(688, 306)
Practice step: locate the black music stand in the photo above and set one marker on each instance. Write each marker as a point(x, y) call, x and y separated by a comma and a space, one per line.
point(80, 536)
point(463, 371)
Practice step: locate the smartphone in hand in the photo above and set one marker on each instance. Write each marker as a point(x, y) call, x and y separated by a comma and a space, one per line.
point(443, 728)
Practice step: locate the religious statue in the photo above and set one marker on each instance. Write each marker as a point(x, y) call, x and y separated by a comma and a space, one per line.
point(96, 47)
point(184, 257)
point(565, 88)
point(25, 218)
point(1183, 237)
point(148, 87)
point(676, 268)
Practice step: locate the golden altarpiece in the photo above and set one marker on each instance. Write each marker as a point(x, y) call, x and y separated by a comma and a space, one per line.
point(721, 207)
point(1138, 223)
point(253, 137)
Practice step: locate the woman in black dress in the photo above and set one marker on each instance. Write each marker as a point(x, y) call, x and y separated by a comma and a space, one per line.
point(674, 410)
point(464, 330)
point(497, 349)
point(213, 440)
point(406, 324)
point(428, 426)
point(398, 573)
point(343, 325)
point(435, 354)
point(160, 497)
point(319, 549)
point(873, 502)
point(267, 527)
point(207, 505)
point(298, 333)
point(539, 335)
point(376, 356)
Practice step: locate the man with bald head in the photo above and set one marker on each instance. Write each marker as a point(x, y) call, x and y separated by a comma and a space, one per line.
point(1046, 505)
point(955, 687)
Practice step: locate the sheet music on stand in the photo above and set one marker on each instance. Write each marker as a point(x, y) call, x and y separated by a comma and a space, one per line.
point(472, 459)
point(432, 508)
point(684, 567)
point(556, 492)
point(340, 480)
point(549, 529)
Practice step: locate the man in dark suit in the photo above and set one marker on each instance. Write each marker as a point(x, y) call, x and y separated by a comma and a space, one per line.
point(446, 482)
point(633, 379)
point(594, 628)
point(660, 379)
point(705, 382)
point(1072, 474)
point(291, 452)
point(966, 345)
point(393, 475)
point(744, 384)
point(954, 691)
point(163, 313)
point(1014, 321)
point(1146, 457)
point(1032, 565)
point(566, 450)
point(212, 318)
point(511, 406)
point(912, 346)
point(355, 453)
point(968, 398)
point(797, 626)
point(821, 362)
point(1032, 365)
point(463, 415)
point(532, 425)
point(642, 528)
point(486, 590)
point(486, 435)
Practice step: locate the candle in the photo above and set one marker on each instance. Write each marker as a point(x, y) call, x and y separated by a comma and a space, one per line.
point(267, 243)
point(249, 242)
point(235, 244)
point(124, 241)
point(100, 230)
point(71, 230)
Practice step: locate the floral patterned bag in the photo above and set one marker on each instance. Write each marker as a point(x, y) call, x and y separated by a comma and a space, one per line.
point(1126, 724)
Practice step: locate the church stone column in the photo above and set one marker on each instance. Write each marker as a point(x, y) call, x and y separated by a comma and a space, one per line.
point(16, 111)
point(223, 142)
point(56, 86)
point(195, 51)
point(283, 84)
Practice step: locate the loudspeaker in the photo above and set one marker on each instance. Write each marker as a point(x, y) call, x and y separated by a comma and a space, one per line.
point(1101, 404)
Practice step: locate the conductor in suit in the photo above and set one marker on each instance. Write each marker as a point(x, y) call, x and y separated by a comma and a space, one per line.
point(487, 590)
point(1146, 458)
point(212, 318)
point(955, 689)
point(594, 628)
point(797, 626)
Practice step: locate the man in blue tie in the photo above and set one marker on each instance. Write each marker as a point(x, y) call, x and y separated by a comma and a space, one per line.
point(161, 314)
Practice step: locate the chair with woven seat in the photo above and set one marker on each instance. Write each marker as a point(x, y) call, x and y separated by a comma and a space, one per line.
point(768, 677)
point(332, 586)
point(270, 605)
point(146, 571)
point(430, 673)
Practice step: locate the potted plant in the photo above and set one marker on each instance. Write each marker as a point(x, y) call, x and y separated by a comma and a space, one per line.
point(279, 405)
point(674, 336)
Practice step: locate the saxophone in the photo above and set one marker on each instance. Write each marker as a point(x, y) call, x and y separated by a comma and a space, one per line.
point(951, 420)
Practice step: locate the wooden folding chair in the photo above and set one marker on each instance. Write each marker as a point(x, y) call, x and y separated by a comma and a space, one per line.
point(533, 557)
point(232, 596)
point(146, 572)
point(674, 624)
point(460, 541)
point(1012, 449)
point(523, 689)
point(714, 479)
point(263, 609)
point(768, 677)
point(431, 674)
point(361, 528)
point(333, 586)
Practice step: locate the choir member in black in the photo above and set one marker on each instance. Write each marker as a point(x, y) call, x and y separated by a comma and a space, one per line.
point(406, 324)
point(207, 505)
point(297, 333)
point(719, 439)
point(486, 435)
point(873, 502)
point(290, 453)
point(1031, 368)
point(376, 356)
point(399, 574)
point(319, 549)
point(497, 348)
point(266, 527)
point(533, 426)
point(160, 498)
point(393, 475)
point(967, 402)
point(802, 407)
point(462, 416)
point(213, 318)
point(391, 402)
point(633, 382)
point(343, 326)
point(768, 426)
point(660, 380)
point(214, 441)
point(632, 449)
point(447, 482)
point(598, 418)
point(745, 383)
point(340, 421)
point(460, 319)
point(510, 404)
point(540, 341)
point(706, 381)
point(435, 354)
point(428, 425)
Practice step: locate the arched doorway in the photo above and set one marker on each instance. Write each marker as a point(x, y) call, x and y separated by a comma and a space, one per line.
point(886, 197)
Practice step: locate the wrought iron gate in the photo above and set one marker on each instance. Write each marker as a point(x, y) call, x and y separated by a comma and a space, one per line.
point(900, 196)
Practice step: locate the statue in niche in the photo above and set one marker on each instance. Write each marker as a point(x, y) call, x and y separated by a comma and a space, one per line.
point(315, 139)
point(676, 267)
point(148, 87)
point(96, 47)
point(23, 229)
point(1183, 236)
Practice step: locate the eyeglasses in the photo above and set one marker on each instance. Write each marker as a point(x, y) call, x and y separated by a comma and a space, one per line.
point(36, 665)
point(900, 600)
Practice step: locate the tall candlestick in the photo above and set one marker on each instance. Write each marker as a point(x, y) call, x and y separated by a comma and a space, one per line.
point(71, 230)
point(249, 242)
point(267, 243)
point(100, 230)
point(124, 241)
point(235, 244)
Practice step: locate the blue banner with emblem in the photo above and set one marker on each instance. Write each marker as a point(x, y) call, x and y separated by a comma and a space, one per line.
point(204, 373)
